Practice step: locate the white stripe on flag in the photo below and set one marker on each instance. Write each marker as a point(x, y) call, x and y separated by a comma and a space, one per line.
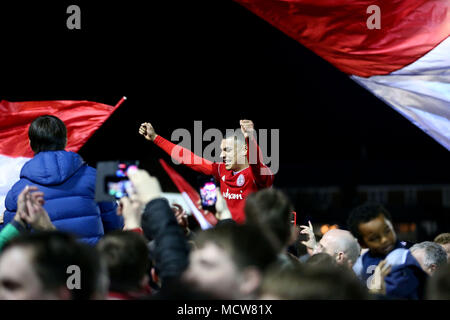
point(9, 174)
point(204, 224)
point(419, 91)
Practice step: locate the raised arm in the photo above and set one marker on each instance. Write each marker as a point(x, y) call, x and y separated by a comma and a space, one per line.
point(177, 152)
point(262, 174)
point(159, 224)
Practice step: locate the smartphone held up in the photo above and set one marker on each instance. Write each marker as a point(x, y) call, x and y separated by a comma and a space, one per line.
point(112, 179)
point(208, 194)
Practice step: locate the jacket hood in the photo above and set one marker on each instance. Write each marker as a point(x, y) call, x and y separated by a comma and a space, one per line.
point(51, 167)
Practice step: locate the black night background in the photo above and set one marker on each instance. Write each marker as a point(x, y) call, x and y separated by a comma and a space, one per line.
point(217, 62)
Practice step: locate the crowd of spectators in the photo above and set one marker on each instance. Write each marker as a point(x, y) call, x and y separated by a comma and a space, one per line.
point(57, 243)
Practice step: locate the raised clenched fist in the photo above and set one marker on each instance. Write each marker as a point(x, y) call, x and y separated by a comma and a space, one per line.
point(147, 130)
point(247, 127)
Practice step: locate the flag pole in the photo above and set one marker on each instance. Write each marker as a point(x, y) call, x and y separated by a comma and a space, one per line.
point(120, 102)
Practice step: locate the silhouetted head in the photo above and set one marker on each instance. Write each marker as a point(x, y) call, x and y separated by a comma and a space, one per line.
point(47, 133)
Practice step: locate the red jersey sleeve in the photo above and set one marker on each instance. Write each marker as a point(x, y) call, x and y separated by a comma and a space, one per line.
point(187, 157)
point(262, 174)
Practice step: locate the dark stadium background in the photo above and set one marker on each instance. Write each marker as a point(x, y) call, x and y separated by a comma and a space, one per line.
point(215, 61)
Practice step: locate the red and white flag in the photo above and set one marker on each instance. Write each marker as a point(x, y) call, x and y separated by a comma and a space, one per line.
point(205, 219)
point(82, 119)
point(399, 50)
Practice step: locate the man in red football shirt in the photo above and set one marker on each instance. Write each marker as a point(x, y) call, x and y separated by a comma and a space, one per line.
point(238, 176)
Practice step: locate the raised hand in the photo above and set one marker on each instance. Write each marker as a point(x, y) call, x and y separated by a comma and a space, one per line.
point(377, 283)
point(180, 215)
point(131, 210)
point(247, 127)
point(146, 188)
point(147, 130)
point(222, 211)
point(22, 204)
point(30, 209)
point(311, 243)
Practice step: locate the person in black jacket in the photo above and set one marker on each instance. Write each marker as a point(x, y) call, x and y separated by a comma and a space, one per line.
point(147, 209)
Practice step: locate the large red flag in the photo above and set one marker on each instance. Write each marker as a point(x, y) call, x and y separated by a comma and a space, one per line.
point(191, 196)
point(337, 30)
point(398, 50)
point(82, 119)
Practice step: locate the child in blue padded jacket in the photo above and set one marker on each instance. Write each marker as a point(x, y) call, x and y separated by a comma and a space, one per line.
point(372, 225)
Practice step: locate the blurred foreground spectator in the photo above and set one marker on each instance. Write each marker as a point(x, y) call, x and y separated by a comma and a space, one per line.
point(312, 282)
point(270, 210)
point(38, 266)
point(127, 258)
point(229, 261)
point(438, 286)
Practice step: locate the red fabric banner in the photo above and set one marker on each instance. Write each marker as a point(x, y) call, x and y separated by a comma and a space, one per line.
point(183, 186)
point(82, 119)
point(337, 30)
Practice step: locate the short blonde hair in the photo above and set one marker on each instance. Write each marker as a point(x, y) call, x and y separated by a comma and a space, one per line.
point(443, 238)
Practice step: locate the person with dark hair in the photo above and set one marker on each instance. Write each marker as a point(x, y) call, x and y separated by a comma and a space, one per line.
point(67, 182)
point(371, 224)
point(270, 210)
point(238, 174)
point(366, 213)
point(127, 258)
point(51, 266)
point(317, 281)
point(47, 133)
point(443, 240)
point(229, 261)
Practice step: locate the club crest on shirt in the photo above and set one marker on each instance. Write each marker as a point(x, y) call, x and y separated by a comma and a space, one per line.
point(240, 180)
